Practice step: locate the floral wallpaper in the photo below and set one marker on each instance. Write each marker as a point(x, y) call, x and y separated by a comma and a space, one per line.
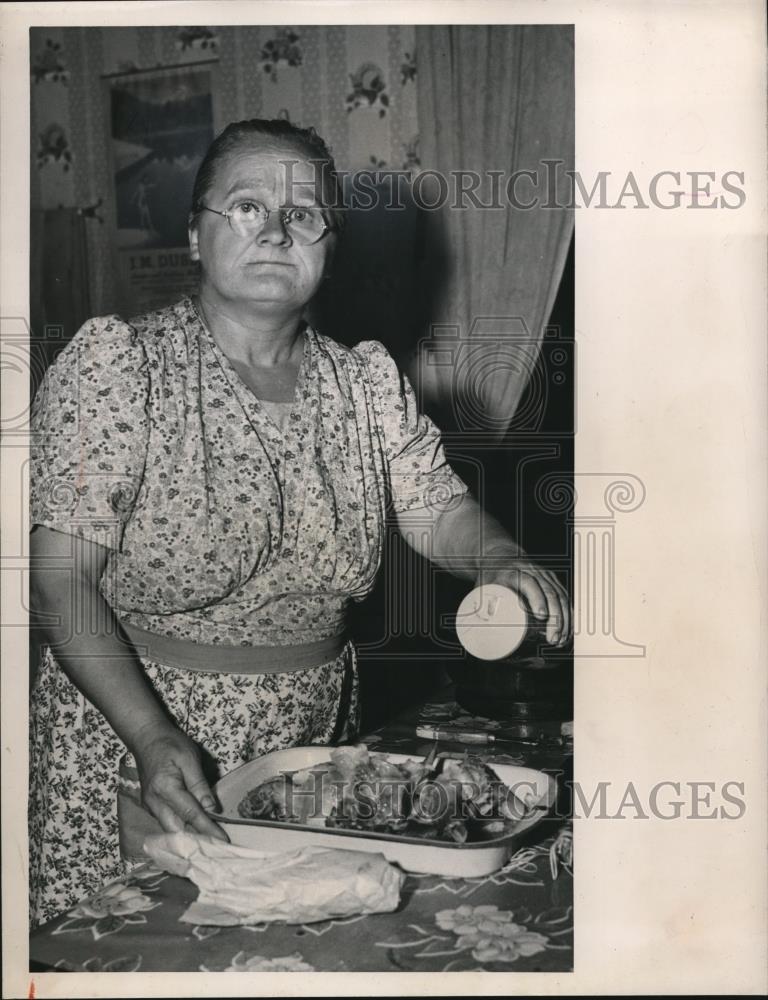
point(355, 84)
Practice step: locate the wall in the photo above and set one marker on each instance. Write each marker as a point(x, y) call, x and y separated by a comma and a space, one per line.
point(355, 84)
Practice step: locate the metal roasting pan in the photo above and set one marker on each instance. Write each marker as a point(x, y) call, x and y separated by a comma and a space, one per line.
point(434, 857)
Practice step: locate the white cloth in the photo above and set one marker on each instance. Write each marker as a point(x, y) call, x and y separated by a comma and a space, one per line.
point(241, 885)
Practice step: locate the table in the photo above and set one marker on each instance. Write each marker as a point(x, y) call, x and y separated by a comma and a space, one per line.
point(517, 919)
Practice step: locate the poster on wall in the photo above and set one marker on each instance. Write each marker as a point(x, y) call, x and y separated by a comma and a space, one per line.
point(161, 122)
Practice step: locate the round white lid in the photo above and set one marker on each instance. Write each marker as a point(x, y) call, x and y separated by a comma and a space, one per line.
point(491, 622)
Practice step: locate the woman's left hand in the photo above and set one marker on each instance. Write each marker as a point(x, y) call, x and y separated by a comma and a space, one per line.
point(453, 534)
point(540, 589)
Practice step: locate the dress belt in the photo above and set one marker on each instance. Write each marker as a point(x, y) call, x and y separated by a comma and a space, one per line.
point(221, 659)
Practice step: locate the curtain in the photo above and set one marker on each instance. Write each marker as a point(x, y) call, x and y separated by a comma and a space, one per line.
point(60, 300)
point(493, 98)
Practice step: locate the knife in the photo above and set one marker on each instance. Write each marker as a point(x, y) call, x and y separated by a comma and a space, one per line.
point(524, 732)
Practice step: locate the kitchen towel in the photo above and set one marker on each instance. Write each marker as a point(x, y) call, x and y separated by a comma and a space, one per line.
point(242, 885)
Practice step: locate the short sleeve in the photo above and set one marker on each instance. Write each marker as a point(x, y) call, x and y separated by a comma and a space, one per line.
point(419, 473)
point(90, 432)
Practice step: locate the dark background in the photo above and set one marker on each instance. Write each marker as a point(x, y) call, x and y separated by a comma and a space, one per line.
point(400, 668)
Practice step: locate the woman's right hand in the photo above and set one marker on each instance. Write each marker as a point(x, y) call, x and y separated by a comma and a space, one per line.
point(173, 787)
point(106, 668)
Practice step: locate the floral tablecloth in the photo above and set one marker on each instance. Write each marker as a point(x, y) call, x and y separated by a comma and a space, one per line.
point(516, 919)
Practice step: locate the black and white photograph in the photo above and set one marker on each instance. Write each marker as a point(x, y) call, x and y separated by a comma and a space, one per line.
point(303, 666)
point(367, 476)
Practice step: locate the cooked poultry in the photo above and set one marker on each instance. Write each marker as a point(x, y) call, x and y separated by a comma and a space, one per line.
point(268, 800)
point(444, 800)
point(484, 795)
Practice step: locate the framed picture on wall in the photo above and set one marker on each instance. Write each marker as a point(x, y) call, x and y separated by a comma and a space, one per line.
point(160, 123)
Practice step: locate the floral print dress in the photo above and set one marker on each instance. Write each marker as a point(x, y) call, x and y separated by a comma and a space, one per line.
point(224, 529)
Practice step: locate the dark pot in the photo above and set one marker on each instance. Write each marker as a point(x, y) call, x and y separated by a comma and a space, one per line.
point(520, 687)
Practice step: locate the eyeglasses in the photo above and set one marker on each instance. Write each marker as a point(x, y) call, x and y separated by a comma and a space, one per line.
point(305, 225)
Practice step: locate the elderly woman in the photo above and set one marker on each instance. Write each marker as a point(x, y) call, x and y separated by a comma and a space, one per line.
point(213, 479)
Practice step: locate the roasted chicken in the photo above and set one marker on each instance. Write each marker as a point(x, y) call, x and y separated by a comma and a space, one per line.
point(444, 799)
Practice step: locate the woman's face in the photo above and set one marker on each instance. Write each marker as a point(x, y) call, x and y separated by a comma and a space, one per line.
point(270, 269)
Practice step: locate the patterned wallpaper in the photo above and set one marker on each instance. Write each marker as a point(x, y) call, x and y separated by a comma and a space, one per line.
point(355, 84)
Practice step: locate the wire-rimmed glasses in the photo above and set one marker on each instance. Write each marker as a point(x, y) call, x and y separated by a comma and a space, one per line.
point(304, 224)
